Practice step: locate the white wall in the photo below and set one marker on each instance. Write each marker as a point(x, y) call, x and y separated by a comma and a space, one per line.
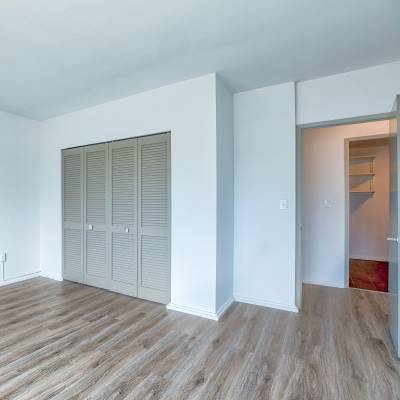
point(323, 155)
point(369, 215)
point(225, 193)
point(353, 94)
point(188, 110)
point(264, 173)
point(265, 147)
point(19, 199)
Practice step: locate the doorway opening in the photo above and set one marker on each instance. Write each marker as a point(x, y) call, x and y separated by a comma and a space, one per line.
point(345, 204)
point(322, 206)
point(368, 181)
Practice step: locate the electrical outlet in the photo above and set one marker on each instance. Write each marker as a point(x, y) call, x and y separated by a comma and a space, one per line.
point(283, 204)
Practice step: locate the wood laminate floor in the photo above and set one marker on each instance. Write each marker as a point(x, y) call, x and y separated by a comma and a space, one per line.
point(370, 275)
point(68, 341)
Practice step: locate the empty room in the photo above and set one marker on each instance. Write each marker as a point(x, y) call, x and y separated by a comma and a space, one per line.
point(199, 200)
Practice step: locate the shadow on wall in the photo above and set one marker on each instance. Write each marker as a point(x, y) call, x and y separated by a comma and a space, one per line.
point(357, 200)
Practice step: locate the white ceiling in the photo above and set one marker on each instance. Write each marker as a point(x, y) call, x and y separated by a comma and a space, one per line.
point(57, 56)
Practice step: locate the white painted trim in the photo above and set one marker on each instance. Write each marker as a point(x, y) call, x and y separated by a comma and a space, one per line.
point(338, 284)
point(225, 307)
point(368, 258)
point(193, 311)
point(53, 277)
point(267, 303)
point(19, 279)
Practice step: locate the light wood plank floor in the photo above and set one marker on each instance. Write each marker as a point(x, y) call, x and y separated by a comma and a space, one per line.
point(68, 341)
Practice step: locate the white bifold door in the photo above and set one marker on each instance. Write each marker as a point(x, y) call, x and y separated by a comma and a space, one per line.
point(116, 203)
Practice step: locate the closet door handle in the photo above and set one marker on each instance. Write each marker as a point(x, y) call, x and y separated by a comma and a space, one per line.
point(90, 227)
point(393, 239)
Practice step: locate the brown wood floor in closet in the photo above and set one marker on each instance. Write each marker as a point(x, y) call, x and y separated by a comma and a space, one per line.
point(370, 275)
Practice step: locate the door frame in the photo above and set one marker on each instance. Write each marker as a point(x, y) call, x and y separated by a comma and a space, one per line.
point(299, 188)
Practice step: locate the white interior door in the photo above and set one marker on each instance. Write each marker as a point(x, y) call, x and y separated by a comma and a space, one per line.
point(393, 298)
point(96, 232)
point(154, 218)
point(123, 161)
point(72, 165)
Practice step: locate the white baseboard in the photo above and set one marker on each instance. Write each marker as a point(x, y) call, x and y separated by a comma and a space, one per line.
point(20, 279)
point(198, 312)
point(225, 307)
point(193, 311)
point(53, 277)
point(266, 303)
point(337, 284)
point(369, 258)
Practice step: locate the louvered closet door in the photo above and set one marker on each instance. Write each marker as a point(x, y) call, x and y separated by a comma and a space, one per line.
point(154, 219)
point(73, 214)
point(124, 169)
point(96, 232)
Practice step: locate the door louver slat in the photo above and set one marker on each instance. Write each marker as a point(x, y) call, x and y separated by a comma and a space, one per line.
point(155, 262)
point(73, 250)
point(96, 253)
point(124, 194)
point(72, 188)
point(96, 187)
point(154, 184)
point(124, 258)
